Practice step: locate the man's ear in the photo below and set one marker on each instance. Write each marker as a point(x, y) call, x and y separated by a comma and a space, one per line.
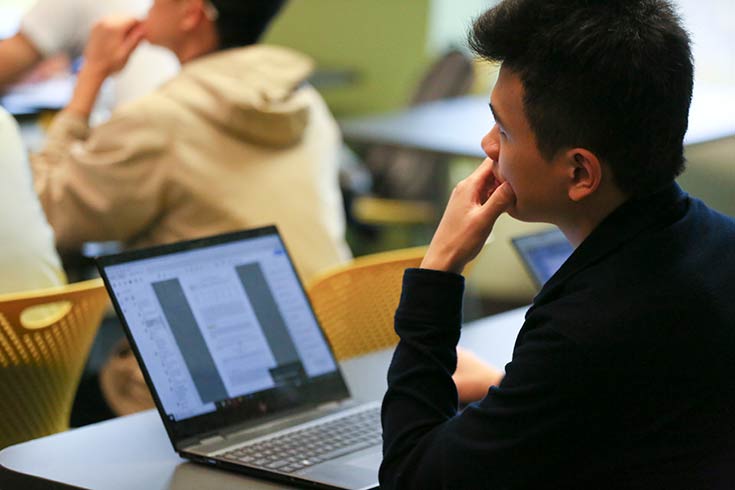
point(193, 12)
point(584, 172)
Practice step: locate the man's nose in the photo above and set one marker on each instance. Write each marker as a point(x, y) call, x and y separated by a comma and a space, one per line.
point(490, 143)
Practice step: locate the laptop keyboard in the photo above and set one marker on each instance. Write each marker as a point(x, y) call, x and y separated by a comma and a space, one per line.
point(314, 444)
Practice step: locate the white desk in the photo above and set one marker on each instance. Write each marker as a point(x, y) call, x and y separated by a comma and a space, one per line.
point(455, 127)
point(134, 452)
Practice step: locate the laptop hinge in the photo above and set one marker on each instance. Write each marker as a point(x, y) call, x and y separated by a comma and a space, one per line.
point(328, 406)
point(263, 426)
point(212, 439)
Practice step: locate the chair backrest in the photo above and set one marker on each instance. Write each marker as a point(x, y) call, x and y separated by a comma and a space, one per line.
point(356, 302)
point(450, 76)
point(45, 338)
point(408, 174)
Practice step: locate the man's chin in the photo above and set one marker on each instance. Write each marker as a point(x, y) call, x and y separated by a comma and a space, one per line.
point(147, 34)
point(513, 212)
point(521, 215)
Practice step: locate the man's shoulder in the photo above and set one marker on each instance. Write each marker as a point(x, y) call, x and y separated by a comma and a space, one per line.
point(665, 297)
point(283, 59)
point(700, 211)
point(153, 110)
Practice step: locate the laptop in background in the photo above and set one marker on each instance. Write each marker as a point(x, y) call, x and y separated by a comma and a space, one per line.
point(542, 253)
point(240, 370)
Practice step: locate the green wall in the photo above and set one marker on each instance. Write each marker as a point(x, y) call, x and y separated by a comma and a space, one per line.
point(383, 42)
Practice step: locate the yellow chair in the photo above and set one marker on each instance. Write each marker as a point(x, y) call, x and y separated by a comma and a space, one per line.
point(355, 302)
point(379, 211)
point(45, 338)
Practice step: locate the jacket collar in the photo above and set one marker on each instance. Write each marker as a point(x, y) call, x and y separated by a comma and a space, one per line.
point(621, 226)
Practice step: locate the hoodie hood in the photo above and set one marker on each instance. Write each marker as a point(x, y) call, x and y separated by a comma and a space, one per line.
point(252, 92)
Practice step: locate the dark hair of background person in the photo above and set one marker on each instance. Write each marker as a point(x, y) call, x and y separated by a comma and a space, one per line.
point(612, 76)
point(243, 22)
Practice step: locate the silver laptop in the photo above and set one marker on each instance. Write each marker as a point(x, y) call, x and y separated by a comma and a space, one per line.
point(542, 253)
point(240, 370)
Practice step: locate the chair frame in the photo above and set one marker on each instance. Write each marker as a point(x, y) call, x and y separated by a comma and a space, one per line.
point(41, 361)
point(357, 323)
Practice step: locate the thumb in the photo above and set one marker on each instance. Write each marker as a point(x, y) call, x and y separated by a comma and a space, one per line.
point(499, 201)
point(134, 37)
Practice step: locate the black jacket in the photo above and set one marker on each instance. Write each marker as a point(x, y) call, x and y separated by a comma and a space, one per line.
point(623, 375)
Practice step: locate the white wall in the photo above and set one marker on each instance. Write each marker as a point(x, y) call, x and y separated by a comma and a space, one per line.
point(449, 22)
point(711, 24)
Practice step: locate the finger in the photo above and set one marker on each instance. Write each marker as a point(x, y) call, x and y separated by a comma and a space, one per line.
point(134, 37)
point(134, 27)
point(483, 171)
point(124, 24)
point(492, 181)
point(482, 181)
point(499, 201)
point(113, 26)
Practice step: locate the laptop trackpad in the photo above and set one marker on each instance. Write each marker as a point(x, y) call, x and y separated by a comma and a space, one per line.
point(370, 461)
point(357, 470)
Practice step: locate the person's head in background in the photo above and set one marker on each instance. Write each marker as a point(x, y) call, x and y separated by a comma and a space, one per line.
point(191, 28)
point(586, 87)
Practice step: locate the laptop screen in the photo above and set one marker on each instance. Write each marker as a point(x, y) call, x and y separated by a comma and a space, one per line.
point(543, 253)
point(222, 325)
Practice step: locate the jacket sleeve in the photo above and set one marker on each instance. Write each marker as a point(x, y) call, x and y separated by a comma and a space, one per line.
point(102, 183)
point(528, 428)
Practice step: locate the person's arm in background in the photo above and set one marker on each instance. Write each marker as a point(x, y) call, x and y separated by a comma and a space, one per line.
point(101, 183)
point(47, 29)
point(473, 376)
point(110, 45)
point(18, 55)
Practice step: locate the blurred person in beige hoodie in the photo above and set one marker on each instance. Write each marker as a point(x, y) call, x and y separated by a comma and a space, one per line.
point(238, 139)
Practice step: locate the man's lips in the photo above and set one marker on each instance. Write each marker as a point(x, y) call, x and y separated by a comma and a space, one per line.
point(497, 179)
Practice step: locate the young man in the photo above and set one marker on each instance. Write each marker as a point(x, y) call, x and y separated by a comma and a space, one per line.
point(52, 27)
point(623, 375)
point(238, 139)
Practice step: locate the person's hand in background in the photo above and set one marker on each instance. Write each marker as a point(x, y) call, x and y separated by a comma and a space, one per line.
point(474, 376)
point(110, 44)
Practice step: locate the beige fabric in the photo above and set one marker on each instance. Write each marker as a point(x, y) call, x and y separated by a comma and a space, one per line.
point(235, 141)
point(28, 259)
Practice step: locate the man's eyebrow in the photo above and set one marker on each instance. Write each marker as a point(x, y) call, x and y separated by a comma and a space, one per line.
point(495, 115)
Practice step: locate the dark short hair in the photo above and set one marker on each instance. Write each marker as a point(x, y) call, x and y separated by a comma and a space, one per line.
point(243, 22)
point(612, 76)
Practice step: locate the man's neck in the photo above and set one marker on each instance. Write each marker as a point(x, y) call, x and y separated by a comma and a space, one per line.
point(588, 214)
point(200, 43)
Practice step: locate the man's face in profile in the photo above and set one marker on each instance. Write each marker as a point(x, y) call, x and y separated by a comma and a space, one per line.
point(538, 183)
point(162, 24)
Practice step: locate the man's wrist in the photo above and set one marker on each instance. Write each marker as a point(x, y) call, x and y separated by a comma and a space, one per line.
point(440, 262)
point(89, 83)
